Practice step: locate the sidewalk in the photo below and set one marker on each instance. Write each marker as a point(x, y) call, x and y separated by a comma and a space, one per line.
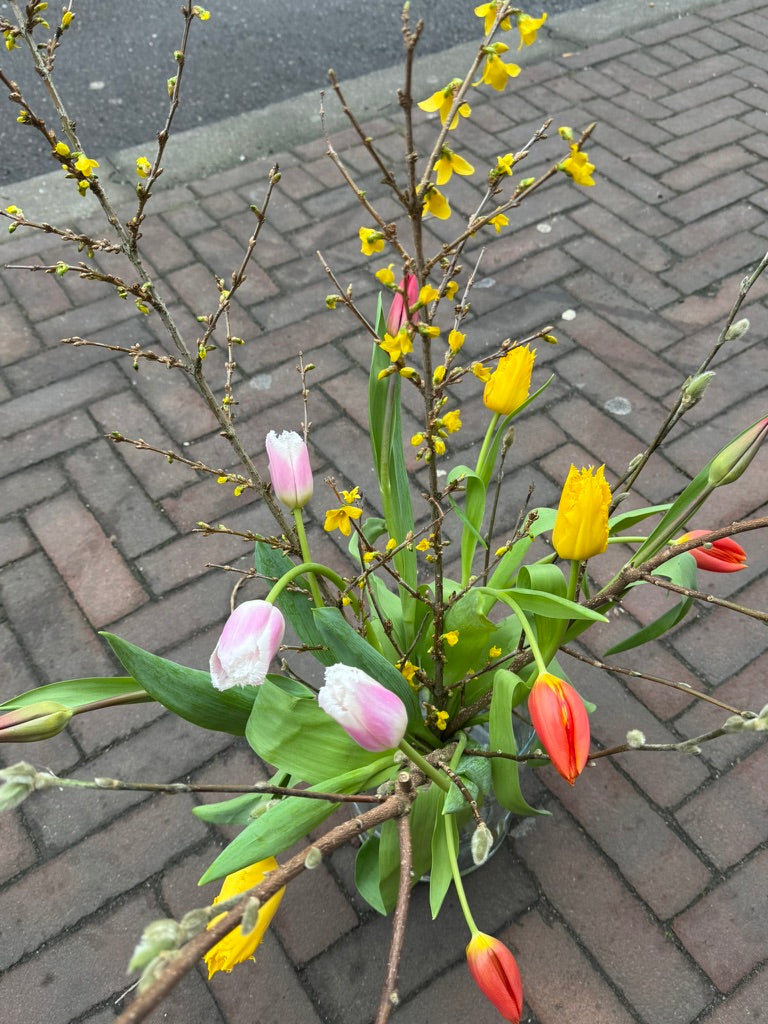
point(643, 898)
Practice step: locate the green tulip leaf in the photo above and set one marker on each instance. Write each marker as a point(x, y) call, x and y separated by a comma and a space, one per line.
point(187, 692)
point(425, 812)
point(440, 874)
point(626, 520)
point(73, 693)
point(367, 879)
point(508, 691)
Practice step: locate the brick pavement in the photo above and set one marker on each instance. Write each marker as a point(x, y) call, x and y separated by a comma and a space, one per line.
point(643, 897)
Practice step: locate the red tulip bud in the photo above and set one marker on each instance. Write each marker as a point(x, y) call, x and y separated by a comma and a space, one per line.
point(560, 719)
point(496, 974)
point(723, 555)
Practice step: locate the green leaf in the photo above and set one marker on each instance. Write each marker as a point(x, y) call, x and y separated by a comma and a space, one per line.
point(654, 629)
point(73, 693)
point(508, 691)
point(681, 510)
point(186, 691)
point(626, 520)
point(389, 865)
point(504, 572)
point(425, 812)
point(475, 629)
point(440, 874)
point(471, 517)
point(295, 606)
point(552, 606)
point(367, 874)
point(456, 801)
point(292, 732)
point(287, 822)
point(235, 811)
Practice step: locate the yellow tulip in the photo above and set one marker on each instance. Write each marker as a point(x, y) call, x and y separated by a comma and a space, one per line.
point(236, 947)
point(581, 527)
point(507, 387)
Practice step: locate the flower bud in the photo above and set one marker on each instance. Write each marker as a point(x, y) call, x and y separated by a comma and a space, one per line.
point(16, 783)
point(156, 938)
point(289, 468)
point(731, 462)
point(373, 716)
point(248, 643)
point(507, 387)
point(737, 329)
point(408, 289)
point(560, 719)
point(482, 842)
point(34, 722)
point(695, 387)
point(723, 555)
point(496, 974)
point(635, 739)
point(581, 526)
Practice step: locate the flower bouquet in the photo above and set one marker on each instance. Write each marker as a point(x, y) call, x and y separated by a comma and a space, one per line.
point(440, 645)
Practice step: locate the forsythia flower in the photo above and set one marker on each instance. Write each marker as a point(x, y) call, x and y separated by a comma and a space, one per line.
point(451, 163)
point(339, 519)
point(237, 947)
point(450, 289)
point(143, 166)
point(494, 652)
point(507, 387)
point(503, 165)
point(480, 371)
point(581, 526)
point(441, 720)
point(442, 101)
point(499, 222)
point(386, 275)
point(436, 204)
point(66, 18)
point(439, 446)
point(371, 241)
point(62, 148)
point(408, 671)
point(489, 12)
point(528, 27)
point(451, 637)
point(455, 341)
point(578, 167)
point(423, 545)
point(560, 719)
point(398, 346)
point(451, 421)
point(427, 294)
point(351, 496)
point(85, 166)
point(496, 72)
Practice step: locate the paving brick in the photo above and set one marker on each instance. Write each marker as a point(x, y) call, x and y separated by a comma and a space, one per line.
point(86, 561)
point(15, 542)
point(735, 916)
point(688, 147)
point(745, 1005)
point(18, 340)
point(627, 121)
point(30, 447)
point(55, 400)
point(126, 857)
point(709, 266)
point(718, 227)
point(646, 288)
point(17, 852)
point(638, 956)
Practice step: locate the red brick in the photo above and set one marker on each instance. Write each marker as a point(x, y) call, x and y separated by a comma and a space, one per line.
point(638, 956)
point(40, 295)
point(56, 399)
point(90, 566)
point(37, 444)
point(725, 931)
point(646, 288)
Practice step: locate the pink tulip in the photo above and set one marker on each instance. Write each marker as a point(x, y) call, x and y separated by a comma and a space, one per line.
point(289, 468)
point(248, 643)
point(408, 288)
point(373, 716)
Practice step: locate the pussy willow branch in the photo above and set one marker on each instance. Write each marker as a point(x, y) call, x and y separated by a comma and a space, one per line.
point(634, 674)
point(681, 406)
point(389, 998)
point(658, 581)
point(186, 959)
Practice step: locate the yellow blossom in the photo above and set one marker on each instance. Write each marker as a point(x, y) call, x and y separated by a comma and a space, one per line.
point(439, 375)
point(369, 556)
point(436, 204)
point(346, 601)
point(391, 544)
point(66, 18)
point(339, 519)
point(581, 526)
point(85, 166)
point(427, 294)
point(416, 440)
point(429, 330)
point(201, 13)
point(451, 637)
point(398, 346)
point(528, 27)
point(480, 371)
point(408, 671)
point(62, 148)
point(371, 241)
point(499, 222)
point(10, 39)
point(236, 947)
point(386, 275)
point(351, 496)
point(442, 101)
point(578, 167)
point(450, 289)
point(489, 12)
point(496, 73)
point(451, 421)
point(494, 652)
point(143, 166)
point(507, 387)
point(15, 211)
point(503, 165)
point(439, 446)
point(455, 341)
point(441, 720)
point(451, 163)
point(423, 545)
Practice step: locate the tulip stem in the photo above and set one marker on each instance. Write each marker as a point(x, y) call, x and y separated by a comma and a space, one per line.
point(300, 570)
point(450, 841)
point(573, 580)
point(530, 636)
point(423, 764)
point(304, 545)
point(486, 444)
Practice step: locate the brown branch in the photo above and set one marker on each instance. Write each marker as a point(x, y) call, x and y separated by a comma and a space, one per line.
point(658, 581)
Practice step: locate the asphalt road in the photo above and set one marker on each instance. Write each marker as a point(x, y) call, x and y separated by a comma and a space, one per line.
point(112, 67)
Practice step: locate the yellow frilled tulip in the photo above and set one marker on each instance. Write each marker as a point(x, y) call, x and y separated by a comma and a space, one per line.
point(581, 526)
point(507, 387)
point(236, 947)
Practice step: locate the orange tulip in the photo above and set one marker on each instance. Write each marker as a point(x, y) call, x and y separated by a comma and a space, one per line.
point(496, 975)
point(560, 719)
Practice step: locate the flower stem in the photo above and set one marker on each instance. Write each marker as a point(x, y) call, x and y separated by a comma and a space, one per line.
point(299, 570)
point(450, 841)
point(422, 763)
point(304, 545)
point(486, 444)
point(530, 636)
